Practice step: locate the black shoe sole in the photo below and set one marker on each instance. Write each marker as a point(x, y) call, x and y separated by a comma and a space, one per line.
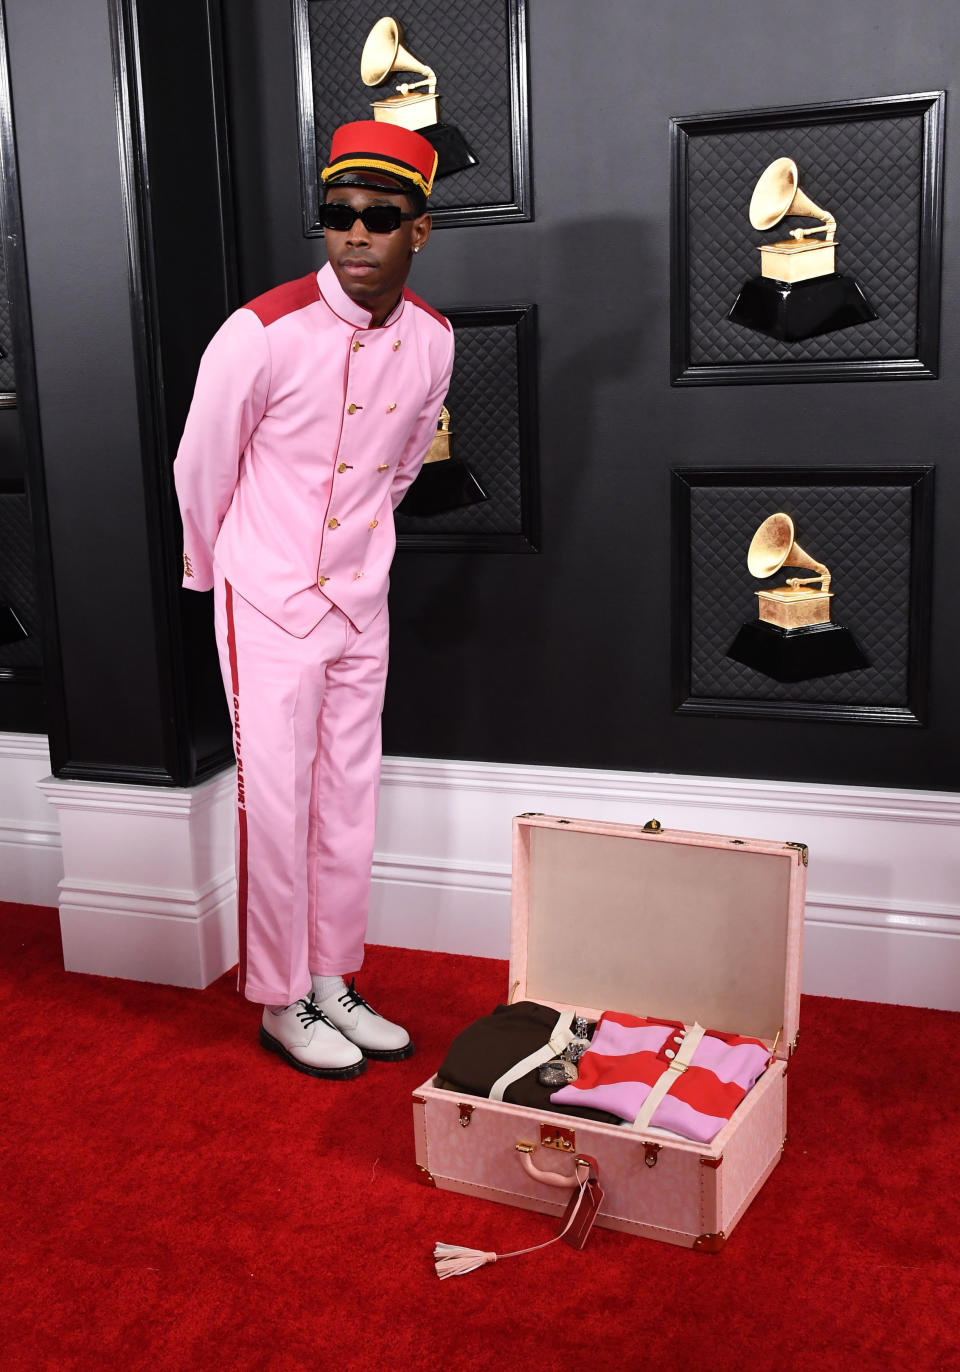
point(273, 1045)
point(389, 1055)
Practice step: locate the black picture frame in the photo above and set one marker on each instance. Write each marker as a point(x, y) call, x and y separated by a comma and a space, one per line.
point(508, 54)
point(10, 227)
point(721, 361)
point(502, 373)
point(20, 661)
point(914, 648)
point(8, 394)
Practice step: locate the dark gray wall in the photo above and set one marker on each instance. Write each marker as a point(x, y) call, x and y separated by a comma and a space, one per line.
point(565, 657)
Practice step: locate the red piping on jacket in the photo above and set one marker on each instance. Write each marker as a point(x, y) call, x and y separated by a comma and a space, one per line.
point(241, 796)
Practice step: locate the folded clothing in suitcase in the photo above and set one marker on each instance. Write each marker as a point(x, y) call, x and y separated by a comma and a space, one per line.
point(616, 1076)
point(490, 1047)
point(629, 1057)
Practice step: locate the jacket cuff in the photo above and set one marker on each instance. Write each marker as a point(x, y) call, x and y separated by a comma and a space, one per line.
point(197, 573)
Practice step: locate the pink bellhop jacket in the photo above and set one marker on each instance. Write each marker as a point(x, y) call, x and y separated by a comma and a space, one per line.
point(306, 428)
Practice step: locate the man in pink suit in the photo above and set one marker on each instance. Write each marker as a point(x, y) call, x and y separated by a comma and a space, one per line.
point(314, 407)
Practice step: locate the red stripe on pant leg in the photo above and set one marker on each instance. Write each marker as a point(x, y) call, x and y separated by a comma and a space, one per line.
point(241, 796)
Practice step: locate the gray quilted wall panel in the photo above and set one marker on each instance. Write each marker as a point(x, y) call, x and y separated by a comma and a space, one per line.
point(867, 173)
point(8, 381)
point(465, 43)
point(862, 533)
point(17, 580)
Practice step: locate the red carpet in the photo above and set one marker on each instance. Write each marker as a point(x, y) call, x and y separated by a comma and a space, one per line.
point(173, 1197)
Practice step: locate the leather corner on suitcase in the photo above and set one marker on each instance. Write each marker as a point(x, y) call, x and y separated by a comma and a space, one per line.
point(709, 1243)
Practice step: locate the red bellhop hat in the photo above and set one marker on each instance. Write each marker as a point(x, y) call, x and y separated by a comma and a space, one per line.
point(372, 146)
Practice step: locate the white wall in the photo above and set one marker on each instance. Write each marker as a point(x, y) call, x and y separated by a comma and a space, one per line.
point(883, 907)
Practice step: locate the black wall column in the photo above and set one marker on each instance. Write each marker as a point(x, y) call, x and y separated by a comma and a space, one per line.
point(129, 249)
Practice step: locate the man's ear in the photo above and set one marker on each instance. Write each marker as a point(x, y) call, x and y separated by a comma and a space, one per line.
point(421, 227)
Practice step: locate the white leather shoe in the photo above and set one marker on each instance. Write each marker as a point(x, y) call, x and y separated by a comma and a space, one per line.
point(304, 1037)
point(377, 1037)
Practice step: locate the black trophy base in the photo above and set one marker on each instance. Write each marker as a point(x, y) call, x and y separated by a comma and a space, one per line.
point(796, 654)
point(11, 630)
point(453, 152)
point(804, 309)
point(442, 486)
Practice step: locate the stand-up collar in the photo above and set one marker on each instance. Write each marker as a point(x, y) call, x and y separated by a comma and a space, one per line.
point(358, 316)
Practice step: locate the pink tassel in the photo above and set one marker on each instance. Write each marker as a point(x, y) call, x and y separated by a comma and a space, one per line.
point(451, 1260)
point(454, 1261)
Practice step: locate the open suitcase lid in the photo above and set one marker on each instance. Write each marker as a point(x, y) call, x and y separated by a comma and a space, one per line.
point(660, 923)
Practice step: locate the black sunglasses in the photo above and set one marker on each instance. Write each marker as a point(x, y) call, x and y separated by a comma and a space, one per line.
point(341, 217)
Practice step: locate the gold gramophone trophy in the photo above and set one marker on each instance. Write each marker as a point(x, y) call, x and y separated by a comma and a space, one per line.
point(411, 106)
point(793, 639)
point(443, 482)
point(441, 447)
point(799, 292)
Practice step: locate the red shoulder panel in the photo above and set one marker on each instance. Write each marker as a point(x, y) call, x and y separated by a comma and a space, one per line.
point(285, 299)
point(422, 304)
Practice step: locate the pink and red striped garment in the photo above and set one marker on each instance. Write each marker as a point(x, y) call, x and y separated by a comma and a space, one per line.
point(627, 1055)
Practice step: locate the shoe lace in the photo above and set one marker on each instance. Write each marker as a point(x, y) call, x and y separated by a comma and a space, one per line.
point(309, 1013)
point(350, 997)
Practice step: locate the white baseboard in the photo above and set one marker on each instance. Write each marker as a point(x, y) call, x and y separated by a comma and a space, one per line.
point(147, 869)
point(31, 863)
point(149, 935)
point(148, 889)
point(452, 906)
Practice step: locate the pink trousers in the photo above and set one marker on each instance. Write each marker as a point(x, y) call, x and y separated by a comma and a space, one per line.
point(306, 732)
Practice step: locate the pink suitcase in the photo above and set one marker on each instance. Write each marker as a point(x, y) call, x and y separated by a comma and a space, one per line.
point(659, 923)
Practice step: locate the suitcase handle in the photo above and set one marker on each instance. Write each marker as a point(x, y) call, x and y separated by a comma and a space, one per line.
point(568, 1183)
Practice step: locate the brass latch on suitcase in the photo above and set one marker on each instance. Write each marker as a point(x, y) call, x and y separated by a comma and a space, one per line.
point(465, 1113)
point(563, 1139)
point(650, 1151)
point(653, 826)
